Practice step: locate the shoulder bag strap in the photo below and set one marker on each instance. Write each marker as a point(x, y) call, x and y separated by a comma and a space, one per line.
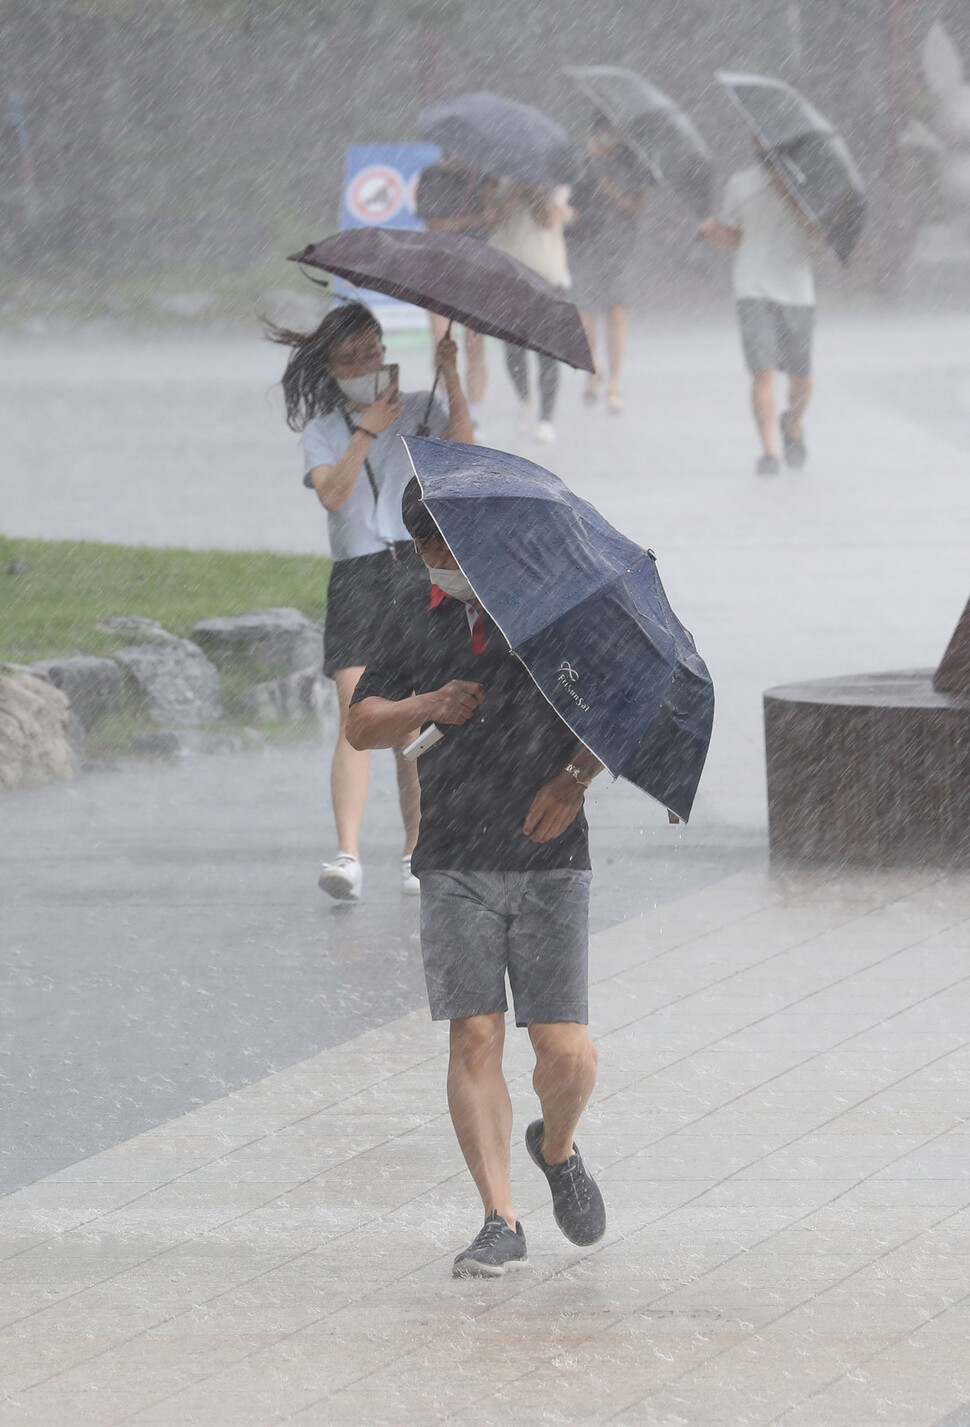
point(367, 465)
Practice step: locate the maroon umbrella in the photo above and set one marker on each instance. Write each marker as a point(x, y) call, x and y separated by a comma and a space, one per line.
point(460, 278)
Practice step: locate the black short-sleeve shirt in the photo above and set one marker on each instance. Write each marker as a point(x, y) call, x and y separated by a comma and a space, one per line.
point(478, 783)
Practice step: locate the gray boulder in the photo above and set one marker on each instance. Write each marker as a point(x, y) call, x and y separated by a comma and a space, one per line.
point(93, 686)
point(136, 624)
point(176, 678)
point(304, 694)
point(35, 719)
point(280, 638)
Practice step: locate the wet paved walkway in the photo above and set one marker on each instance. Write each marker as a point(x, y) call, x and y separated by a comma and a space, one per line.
point(781, 1130)
point(781, 1120)
point(164, 941)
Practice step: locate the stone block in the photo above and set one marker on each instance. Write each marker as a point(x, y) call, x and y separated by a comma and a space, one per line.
point(136, 624)
point(869, 769)
point(304, 694)
point(279, 638)
point(176, 678)
point(93, 686)
point(35, 721)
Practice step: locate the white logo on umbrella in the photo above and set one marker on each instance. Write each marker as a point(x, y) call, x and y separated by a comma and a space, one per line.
point(566, 668)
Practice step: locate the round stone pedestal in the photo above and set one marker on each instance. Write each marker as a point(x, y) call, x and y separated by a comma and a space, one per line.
point(872, 768)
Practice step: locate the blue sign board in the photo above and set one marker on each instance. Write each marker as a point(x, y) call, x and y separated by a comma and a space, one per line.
point(379, 192)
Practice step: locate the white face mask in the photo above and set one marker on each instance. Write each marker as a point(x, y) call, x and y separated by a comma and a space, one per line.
point(453, 583)
point(363, 390)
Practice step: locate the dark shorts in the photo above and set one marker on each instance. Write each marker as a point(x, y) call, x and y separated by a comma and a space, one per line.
point(360, 594)
point(534, 926)
point(776, 336)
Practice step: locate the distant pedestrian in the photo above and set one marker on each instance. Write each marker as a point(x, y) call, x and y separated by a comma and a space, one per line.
point(774, 285)
point(503, 859)
point(531, 228)
point(346, 402)
point(454, 199)
point(607, 200)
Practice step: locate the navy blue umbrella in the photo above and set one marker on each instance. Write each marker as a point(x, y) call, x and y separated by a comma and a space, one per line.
point(582, 607)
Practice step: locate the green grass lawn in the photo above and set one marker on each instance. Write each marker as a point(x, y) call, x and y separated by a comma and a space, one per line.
point(54, 592)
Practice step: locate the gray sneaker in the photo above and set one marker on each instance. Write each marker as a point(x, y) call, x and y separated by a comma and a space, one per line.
point(494, 1248)
point(577, 1203)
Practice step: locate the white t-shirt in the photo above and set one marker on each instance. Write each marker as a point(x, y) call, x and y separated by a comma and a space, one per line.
point(361, 526)
point(774, 260)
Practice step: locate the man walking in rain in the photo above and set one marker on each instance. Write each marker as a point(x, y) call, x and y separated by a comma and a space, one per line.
point(503, 860)
point(774, 286)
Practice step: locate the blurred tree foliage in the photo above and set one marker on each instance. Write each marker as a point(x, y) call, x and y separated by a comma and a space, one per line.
point(212, 133)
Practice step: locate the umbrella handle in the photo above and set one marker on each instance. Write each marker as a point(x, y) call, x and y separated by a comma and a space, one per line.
point(425, 428)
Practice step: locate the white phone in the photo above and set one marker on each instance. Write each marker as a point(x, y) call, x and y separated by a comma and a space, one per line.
point(385, 376)
point(431, 736)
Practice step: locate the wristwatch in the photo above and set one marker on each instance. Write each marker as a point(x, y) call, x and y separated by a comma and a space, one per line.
point(578, 774)
point(371, 434)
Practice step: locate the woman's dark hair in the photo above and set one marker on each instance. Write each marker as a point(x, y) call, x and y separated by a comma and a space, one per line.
point(417, 518)
point(308, 388)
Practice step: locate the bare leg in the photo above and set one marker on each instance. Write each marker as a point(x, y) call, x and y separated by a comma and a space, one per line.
point(593, 381)
point(799, 395)
point(763, 406)
point(564, 1078)
point(409, 795)
point(481, 1110)
point(477, 372)
point(615, 346)
point(349, 773)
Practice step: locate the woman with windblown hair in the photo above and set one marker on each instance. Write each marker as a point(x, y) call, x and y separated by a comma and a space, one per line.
point(346, 401)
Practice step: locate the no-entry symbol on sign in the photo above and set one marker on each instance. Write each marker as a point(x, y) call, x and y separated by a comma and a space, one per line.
point(376, 194)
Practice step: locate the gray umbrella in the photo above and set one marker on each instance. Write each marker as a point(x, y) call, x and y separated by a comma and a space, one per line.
point(501, 136)
point(658, 131)
point(811, 159)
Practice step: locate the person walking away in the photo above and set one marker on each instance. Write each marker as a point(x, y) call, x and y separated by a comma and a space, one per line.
point(530, 227)
point(339, 393)
point(774, 286)
point(503, 860)
point(607, 200)
point(451, 198)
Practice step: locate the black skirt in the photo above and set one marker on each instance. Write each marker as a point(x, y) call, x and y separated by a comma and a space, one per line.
point(361, 593)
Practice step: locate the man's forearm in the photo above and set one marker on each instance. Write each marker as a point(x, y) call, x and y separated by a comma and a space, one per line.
point(459, 426)
point(381, 723)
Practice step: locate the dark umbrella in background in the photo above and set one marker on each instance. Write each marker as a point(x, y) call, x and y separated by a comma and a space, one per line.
point(582, 607)
point(655, 127)
point(500, 136)
point(461, 279)
point(811, 159)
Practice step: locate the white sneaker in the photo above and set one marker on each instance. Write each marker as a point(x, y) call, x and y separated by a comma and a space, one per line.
point(524, 423)
point(342, 877)
point(545, 432)
point(410, 885)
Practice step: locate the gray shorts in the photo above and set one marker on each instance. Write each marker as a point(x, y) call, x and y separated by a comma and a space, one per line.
point(776, 336)
point(476, 926)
